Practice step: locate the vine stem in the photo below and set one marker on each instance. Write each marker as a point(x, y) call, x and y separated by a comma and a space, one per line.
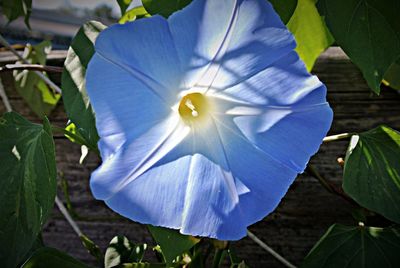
point(338, 137)
point(269, 249)
point(68, 217)
point(4, 42)
point(329, 186)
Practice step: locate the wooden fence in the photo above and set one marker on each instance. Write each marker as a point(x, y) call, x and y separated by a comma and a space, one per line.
point(305, 212)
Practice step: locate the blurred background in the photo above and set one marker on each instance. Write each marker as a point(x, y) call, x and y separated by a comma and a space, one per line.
point(59, 20)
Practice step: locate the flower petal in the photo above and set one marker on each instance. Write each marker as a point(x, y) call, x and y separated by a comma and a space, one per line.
point(265, 179)
point(144, 47)
point(110, 88)
point(136, 157)
point(194, 192)
point(281, 110)
point(229, 46)
point(284, 83)
point(292, 139)
point(157, 196)
point(210, 205)
point(212, 196)
point(199, 30)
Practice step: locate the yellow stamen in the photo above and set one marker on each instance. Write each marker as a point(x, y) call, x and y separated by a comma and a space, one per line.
point(193, 107)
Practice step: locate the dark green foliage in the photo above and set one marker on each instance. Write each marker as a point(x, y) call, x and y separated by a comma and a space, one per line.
point(122, 251)
point(356, 247)
point(166, 237)
point(372, 171)
point(284, 8)
point(28, 184)
point(164, 8)
point(12, 9)
point(76, 101)
point(368, 31)
point(49, 257)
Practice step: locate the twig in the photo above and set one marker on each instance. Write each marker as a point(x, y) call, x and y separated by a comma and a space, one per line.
point(328, 185)
point(338, 137)
point(269, 250)
point(4, 42)
point(5, 98)
point(68, 217)
point(31, 67)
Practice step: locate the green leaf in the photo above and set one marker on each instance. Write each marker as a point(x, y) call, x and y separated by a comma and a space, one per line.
point(392, 76)
point(133, 14)
point(123, 5)
point(36, 245)
point(121, 251)
point(171, 242)
point(372, 171)
point(76, 100)
point(12, 9)
point(310, 32)
point(164, 8)
point(40, 98)
point(28, 184)
point(49, 257)
point(368, 31)
point(355, 247)
point(284, 8)
point(219, 257)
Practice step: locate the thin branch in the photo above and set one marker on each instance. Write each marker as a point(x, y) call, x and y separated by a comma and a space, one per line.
point(4, 42)
point(328, 185)
point(313, 172)
point(5, 98)
point(338, 137)
point(269, 250)
point(68, 217)
point(31, 67)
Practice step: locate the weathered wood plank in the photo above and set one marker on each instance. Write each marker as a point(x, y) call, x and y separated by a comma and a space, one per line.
point(303, 215)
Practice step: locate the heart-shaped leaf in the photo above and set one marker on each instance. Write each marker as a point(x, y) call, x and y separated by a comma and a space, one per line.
point(372, 171)
point(368, 31)
point(356, 247)
point(28, 184)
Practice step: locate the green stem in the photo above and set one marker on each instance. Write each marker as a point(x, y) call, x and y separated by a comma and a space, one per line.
point(329, 186)
point(338, 137)
point(313, 172)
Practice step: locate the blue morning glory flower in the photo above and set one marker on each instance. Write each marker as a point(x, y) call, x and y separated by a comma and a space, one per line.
point(205, 119)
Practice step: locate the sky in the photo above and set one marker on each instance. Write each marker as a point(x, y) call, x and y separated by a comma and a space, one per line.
point(55, 4)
